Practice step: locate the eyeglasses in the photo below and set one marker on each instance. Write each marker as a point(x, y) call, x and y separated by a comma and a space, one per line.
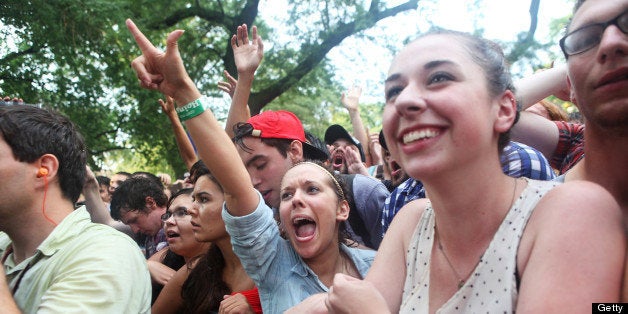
point(589, 36)
point(178, 214)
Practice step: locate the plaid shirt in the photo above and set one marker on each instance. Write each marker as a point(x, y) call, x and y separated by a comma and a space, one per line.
point(570, 147)
point(518, 160)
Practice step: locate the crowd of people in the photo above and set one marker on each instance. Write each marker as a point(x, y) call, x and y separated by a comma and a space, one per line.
point(476, 195)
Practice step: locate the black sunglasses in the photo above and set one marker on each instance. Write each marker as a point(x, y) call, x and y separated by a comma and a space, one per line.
point(589, 36)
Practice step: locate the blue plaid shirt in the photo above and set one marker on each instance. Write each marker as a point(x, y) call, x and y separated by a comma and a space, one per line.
point(518, 160)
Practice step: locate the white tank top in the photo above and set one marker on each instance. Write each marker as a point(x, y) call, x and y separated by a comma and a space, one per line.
point(492, 287)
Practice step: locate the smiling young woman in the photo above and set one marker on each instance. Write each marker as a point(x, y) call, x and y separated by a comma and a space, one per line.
point(483, 241)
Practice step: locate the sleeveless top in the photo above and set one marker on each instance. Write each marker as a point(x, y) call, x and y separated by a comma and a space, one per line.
point(492, 287)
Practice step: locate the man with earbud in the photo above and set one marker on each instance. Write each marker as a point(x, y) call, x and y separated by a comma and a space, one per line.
point(54, 258)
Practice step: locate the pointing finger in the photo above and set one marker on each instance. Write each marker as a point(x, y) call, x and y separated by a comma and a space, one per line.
point(141, 40)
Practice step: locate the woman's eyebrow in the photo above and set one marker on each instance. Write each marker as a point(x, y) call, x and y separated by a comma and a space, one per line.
point(428, 66)
point(392, 77)
point(436, 63)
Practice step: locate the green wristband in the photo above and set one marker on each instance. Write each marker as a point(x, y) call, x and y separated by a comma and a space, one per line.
point(192, 109)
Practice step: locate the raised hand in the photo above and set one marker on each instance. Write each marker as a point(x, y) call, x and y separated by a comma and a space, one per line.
point(162, 71)
point(228, 86)
point(247, 55)
point(375, 149)
point(352, 295)
point(234, 304)
point(167, 106)
point(354, 162)
point(351, 98)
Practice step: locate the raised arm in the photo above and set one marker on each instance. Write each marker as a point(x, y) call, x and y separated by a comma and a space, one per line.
point(236, 113)
point(96, 208)
point(531, 129)
point(169, 299)
point(165, 72)
point(351, 101)
point(186, 149)
point(534, 88)
point(248, 56)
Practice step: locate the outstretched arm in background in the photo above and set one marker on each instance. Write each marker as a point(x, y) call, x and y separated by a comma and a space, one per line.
point(351, 101)
point(375, 149)
point(186, 149)
point(228, 86)
point(165, 72)
point(531, 129)
point(236, 114)
point(96, 207)
point(247, 56)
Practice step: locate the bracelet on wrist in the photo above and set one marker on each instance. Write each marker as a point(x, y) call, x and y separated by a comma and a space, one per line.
point(193, 109)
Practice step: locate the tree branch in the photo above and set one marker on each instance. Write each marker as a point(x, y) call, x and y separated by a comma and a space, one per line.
point(316, 53)
point(105, 150)
point(246, 16)
point(526, 40)
point(14, 55)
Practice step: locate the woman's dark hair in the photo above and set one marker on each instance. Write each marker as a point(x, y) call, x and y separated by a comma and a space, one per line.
point(204, 288)
point(198, 170)
point(180, 192)
point(490, 57)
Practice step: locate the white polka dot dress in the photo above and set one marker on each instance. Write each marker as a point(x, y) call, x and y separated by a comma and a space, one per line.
point(492, 286)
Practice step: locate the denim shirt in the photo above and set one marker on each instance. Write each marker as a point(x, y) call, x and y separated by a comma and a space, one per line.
point(282, 277)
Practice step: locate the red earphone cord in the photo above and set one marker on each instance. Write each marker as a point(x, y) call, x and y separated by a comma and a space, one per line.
point(43, 204)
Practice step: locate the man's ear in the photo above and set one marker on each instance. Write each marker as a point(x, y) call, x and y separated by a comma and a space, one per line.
point(48, 163)
point(150, 202)
point(342, 212)
point(506, 113)
point(295, 151)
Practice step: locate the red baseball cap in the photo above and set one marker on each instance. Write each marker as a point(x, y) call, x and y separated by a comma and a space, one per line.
point(286, 125)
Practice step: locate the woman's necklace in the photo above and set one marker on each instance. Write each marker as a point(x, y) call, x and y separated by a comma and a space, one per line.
point(461, 280)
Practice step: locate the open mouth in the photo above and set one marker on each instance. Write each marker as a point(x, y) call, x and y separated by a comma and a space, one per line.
point(171, 234)
point(266, 195)
point(304, 228)
point(395, 169)
point(338, 161)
